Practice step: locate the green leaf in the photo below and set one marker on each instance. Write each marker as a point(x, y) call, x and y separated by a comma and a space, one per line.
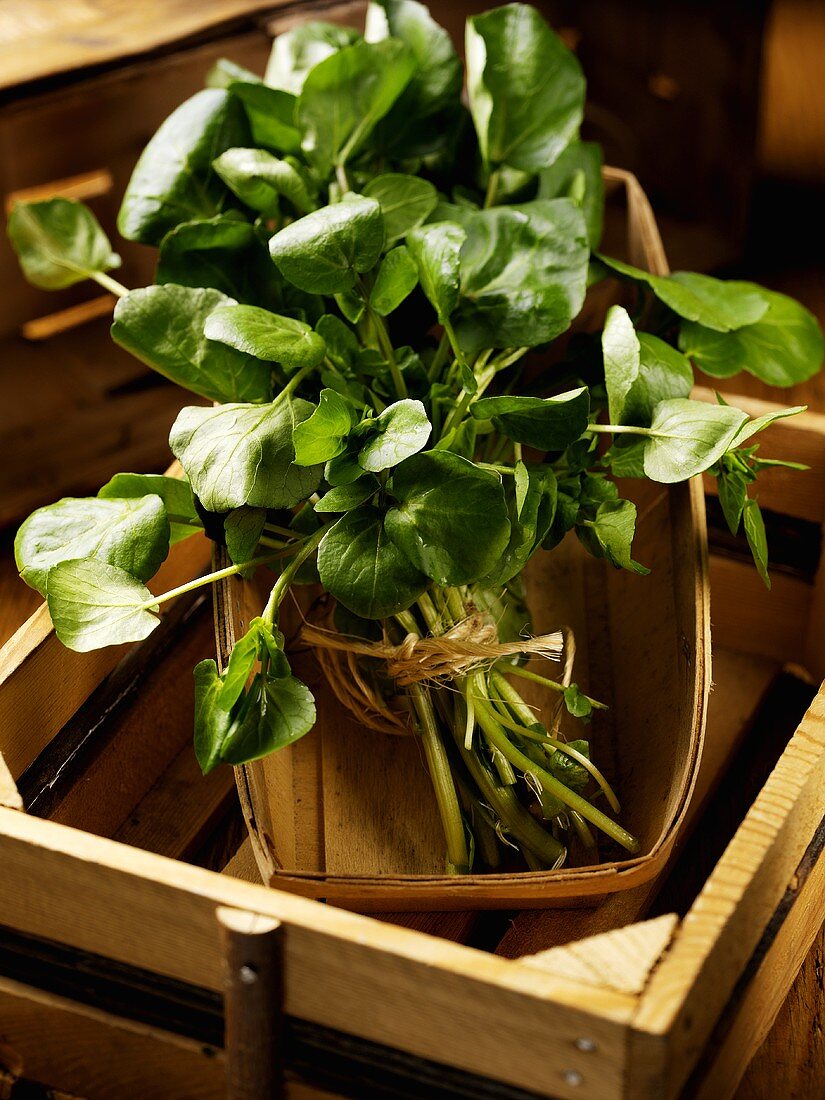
point(173, 180)
point(346, 497)
point(243, 528)
point(266, 336)
point(757, 539)
point(450, 519)
point(547, 423)
point(523, 274)
point(364, 570)
point(436, 250)
point(577, 175)
point(93, 604)
point(324, 251)
point(761, 422)
point(406, 202)
point(577, 704)
point(613, 527)
point(243, 454)
point(261, 180)
point(690, 437)
point(397, 278)
point(297, 51)
point(285, 712)
point(224, 253)
point(733, 492)
point(345, 95)
point(531, 517)
point(163, 327)
point(270, 113)
point(714, 303)
point(526, 89)
point(341, 342)
point(783, 347)
point(175, 492)
point(225, 72)
point(640, 370)
point(622, 361)
point(323, 435)
point(131, 534)
point(400, 431)
point(59, 243)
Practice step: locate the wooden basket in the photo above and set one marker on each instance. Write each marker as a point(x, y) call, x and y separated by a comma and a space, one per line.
point(347, 814)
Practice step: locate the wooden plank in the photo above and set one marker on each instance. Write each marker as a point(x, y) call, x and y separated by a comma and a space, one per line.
point(86, 1051)
point(435, 998)
point(688, 991)
point(43, 328)
point(79, 188)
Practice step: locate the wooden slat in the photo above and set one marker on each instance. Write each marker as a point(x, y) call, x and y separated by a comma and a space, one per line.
point(9, 794)
point(80, 188)
point(43, 328)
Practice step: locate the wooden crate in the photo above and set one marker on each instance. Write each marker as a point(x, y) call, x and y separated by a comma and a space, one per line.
point(113, 955)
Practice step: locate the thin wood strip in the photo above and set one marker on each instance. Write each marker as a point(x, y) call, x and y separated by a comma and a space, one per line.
point(43, 328)
point(9, 794)
point(81, 188)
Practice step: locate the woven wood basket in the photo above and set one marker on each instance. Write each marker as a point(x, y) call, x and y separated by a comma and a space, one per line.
point(347, 814)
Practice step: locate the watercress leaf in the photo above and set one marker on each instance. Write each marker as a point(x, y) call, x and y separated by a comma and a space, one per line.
point(266, 336)
point(757, 540)
point(715, 303)
point(223, 252)
point(690, 437)
point(59, 243)
point(783, 347)
point(577, 175)
point(346, 497)
point(451, 518)
point(761, 422)
point(211, 720)
point(132, 534)
point(523, 274)
point(325, 250)
point(622, 361)
point(640, 370)
point(243, 454)
point(297, 51)
point(261, 180)
point(363, 568)
point(530, 520)
point(733, 492)
point(627, 456)
point(345, 95)
point(526, 89)
point(175, 492)
point(323, 435)
point(270, 113)
point(93, 604)
point(341, 342)
point(397, 278)
point(577, 704)
point(243, 528)
point(225, 72)
point(436, 249)
point(284, 712)
point(163, 327)
point(406, 202)
point(242, 660)
point(173, 180)
point(614, 526)
point(400, 431)
point(547, 423)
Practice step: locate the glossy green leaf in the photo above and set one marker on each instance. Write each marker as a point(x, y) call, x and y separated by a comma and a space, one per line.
point(270, 113)
point(531, 516)
point(547, 423)
point(406, 202)
point(173, 180)
point(323, 435)
point(243, 528)
point(93, 604)
point(523, 274)
point(344, 498)
point(261, 180)
point(401, 430)
point(224, 253)
point(362, 567)
point(754, 526)
point(622, 361)
point(436, 250)
point(783, 347)
point(526, 89)
point(243, 454)
point(759, 423)
point(297, 51)
point(163, 326)
point(266, 336)
point(175, 492)
point(733, 492)
point(59, 242)
point(226, 72)
point(450, 517)
point(345, 95)
point(323, 252)
point(613, 527)
point(690, 437)
point(640, 370)
point(132, 534)
point(577, 175)
point(396, 279)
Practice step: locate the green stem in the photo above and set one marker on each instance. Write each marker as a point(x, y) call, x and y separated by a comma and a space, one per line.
point(388, 351)
point(209, 578)
point(625, 429)
point(526, 674)
point(492, 189)
point(293, 383)
point(110, 284)
point(279, 589)
point(440, 357)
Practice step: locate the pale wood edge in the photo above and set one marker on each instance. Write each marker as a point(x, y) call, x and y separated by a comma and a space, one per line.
point(9, 794)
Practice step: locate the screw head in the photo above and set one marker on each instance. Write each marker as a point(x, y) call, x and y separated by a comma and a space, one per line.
point(572, 1077)
point(248, 975)
point(585, 1044)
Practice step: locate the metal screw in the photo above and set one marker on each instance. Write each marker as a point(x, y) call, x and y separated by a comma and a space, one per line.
point(248, 975)
point(587, 1046)
point(572, 1077)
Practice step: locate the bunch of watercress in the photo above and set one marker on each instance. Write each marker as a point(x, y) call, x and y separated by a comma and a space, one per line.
point(353, 262)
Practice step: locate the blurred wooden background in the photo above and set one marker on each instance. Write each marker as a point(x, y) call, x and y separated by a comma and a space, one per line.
point(719, 108)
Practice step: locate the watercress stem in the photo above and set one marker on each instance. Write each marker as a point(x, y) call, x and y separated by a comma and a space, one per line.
point(492, 189)
point(110, 284)
point(526, 674)
point(279, 589)
point(209, 578)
